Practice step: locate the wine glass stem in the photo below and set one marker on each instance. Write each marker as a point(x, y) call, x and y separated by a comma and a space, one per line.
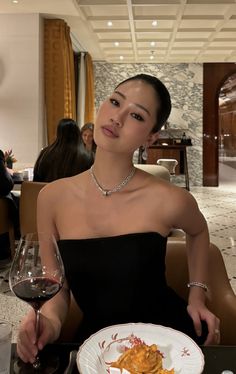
point(36, 363)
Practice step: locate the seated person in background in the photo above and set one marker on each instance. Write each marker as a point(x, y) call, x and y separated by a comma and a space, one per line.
point(87, 137)
point(65, 157)
point(6, 185)
point(112, 223)
point(6, 181)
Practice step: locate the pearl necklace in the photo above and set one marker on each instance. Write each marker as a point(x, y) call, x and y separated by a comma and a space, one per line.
point(115, 189)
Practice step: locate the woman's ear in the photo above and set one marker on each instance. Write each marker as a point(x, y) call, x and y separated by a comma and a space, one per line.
point(152, 138)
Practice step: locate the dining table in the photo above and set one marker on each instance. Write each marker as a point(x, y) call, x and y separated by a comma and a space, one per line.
point(218, 359)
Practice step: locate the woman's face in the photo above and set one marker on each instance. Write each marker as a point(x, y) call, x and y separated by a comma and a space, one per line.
point(87, 137)
point(126, 118)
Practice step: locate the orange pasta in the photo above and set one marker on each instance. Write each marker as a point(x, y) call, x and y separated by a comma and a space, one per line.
point(142, 359)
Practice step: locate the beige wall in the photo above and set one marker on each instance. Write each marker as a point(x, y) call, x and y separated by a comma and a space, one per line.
point(21, 87)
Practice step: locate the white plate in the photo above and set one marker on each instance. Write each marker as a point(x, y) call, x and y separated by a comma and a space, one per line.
point(180, 352)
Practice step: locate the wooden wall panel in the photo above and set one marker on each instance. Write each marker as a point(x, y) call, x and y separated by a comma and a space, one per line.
point(214, 75)
point(155, 154)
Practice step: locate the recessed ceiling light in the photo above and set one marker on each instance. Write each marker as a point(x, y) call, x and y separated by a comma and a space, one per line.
point(117, 44)
point(121, 57)
point(152, 44)
point(154, 23)
point(109, 23)
point(152, 55)
point(15, 1)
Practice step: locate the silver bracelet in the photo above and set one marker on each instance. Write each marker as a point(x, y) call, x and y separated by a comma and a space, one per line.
point(198, 284)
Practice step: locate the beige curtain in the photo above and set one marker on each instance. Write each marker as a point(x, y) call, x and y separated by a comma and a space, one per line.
point(59, 75)
point(89, 98)
point(81, 89)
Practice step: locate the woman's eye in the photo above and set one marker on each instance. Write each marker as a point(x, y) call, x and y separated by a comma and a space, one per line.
point(114, 102)
point(137, 117)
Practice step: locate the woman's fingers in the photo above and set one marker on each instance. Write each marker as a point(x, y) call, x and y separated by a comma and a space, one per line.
point(213, 323)
point(43, 339)
point(27, 346)
point(197, 326)
point(217, 336)
point(26, 342)
point(213, 336)
point(26, 349)
point(196, 320)
point(24, 354)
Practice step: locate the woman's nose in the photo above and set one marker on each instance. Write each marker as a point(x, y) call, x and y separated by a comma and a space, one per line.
point(117, 119)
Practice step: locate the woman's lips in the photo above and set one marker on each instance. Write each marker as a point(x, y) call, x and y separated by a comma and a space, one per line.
point(109, 131)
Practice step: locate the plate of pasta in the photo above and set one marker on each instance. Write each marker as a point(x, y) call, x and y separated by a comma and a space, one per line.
point(139, 348)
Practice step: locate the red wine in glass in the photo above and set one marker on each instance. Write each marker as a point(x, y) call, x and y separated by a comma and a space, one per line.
point(36, 275)
point(36, 291)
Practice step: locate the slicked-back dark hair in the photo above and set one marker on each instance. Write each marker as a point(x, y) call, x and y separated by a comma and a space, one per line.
point(163, 96)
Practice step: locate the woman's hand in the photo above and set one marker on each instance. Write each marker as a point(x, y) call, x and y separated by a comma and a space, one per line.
point(27, 347)
point(199, 312)
point(10, 171)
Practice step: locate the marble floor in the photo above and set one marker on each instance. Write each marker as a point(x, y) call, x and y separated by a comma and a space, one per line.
point(218, 205)
point(219, 208)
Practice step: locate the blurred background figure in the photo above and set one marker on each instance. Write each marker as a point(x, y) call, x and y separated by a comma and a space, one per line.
point(6, 181)
point(65, 157)
point(87, 137)
point(6, 185)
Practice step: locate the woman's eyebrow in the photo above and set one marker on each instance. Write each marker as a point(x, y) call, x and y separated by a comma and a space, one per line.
point(138, 105)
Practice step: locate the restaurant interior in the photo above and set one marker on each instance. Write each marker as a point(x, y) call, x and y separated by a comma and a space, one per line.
point(61, 58)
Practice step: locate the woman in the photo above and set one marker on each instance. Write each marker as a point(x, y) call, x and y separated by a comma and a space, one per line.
point(115, 257)
point(87, 136)
point(63, 158)
point(6, 185)
point(6, 181)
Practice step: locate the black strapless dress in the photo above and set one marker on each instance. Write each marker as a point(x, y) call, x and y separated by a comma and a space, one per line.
point(121, 279)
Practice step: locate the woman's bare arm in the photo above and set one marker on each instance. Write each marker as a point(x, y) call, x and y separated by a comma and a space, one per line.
point(55, 309)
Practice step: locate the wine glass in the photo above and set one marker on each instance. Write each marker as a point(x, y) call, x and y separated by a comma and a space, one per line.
point(36, 275)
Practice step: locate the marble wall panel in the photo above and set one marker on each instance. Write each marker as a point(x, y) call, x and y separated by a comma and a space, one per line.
point(185, 83)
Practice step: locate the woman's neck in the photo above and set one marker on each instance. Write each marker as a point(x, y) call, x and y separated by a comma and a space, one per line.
point(110, 168)
point(88, 147)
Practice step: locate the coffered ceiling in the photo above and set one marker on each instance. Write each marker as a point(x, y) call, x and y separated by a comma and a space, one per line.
point(185, 30)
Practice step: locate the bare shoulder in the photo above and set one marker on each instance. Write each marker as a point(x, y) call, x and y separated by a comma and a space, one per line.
point(61, 188)
point(174, 197)
point(160, 191)
point(157, 186)
point(177, 205)
point(179, 196)
point(181, 209)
